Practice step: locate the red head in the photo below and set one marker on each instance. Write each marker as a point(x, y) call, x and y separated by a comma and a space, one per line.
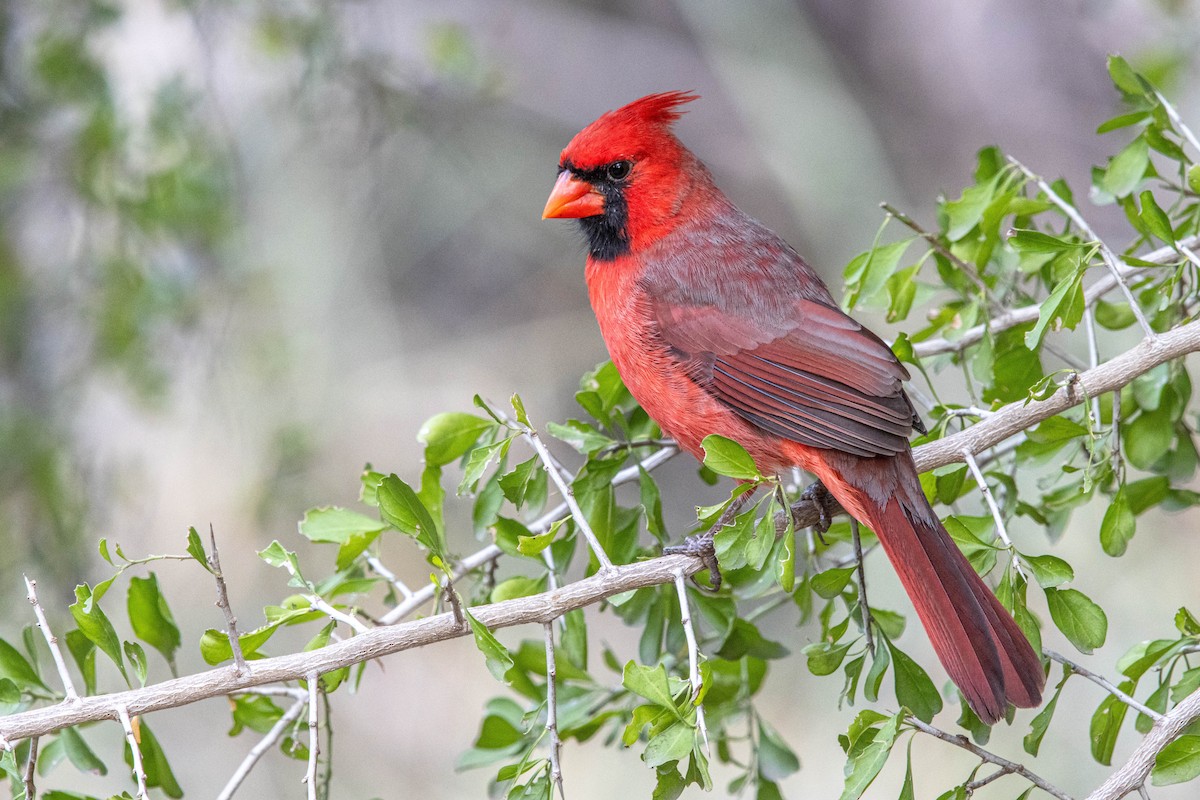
point(625, 176)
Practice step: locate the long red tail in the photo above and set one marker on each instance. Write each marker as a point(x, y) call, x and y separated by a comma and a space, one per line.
point(978, 642)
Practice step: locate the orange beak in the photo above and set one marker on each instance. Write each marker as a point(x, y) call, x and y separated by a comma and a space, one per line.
point(572, 198)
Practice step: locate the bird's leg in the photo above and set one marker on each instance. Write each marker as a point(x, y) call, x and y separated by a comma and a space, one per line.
point(818, 496)
point(701, 546)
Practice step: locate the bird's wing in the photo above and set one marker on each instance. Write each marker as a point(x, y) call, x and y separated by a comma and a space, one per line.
point(796, 367)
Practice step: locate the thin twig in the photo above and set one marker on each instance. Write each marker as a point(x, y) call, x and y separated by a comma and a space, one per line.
point(235, 645)
point(937, 245)
point(568, 496)
point(1104, 683)
point(984, 781)
point(556, 778)
point(863, 606)
point(31, 770)
point(547, 606)
point(1106, 254)
point(541, 525)
point(52, 641)
point(317, 603)
point(1001, 529)
point(685, 619)
point(266, 743)
point(1089, 326)
point(990, 757)
point(968, 411)
point(1177, 121)
point(139, 770)
point(1143, 792)
point(400, 586)
point(1163, 256)
point(314, 742)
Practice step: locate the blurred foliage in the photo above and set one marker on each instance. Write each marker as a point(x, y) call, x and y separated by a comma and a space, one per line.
point(153, 202)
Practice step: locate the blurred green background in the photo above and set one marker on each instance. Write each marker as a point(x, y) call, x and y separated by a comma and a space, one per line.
point(248, 246)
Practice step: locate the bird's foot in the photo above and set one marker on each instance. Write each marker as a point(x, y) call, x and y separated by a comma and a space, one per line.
point(816, 495)
point(700, 546)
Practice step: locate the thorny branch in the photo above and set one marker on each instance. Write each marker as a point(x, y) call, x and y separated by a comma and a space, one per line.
point(1004, 423)
point(131, 736)
point(235, 644)
point(266, 743)
point(51, 642)
point(556, 778)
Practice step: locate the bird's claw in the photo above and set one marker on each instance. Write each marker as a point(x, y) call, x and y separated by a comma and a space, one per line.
point(700, 546)
point(819, 497)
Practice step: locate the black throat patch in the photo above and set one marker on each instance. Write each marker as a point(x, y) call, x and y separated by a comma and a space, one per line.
point(608, 233)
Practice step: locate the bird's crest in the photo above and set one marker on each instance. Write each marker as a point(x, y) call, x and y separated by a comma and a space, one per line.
point(640, 126)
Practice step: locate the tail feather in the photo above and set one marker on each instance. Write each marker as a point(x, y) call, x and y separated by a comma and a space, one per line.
point(978, 642)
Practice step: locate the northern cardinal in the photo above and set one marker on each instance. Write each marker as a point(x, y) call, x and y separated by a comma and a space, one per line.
point(717, 326)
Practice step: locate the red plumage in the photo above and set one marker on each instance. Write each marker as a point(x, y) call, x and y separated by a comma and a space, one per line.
point(718, 326)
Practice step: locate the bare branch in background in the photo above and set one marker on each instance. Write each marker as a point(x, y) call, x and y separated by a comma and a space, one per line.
point(266, 743)
point(51, 641)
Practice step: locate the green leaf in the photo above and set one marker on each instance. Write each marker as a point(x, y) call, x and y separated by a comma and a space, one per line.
point(963, 215)
point(1064, 307)
point(401, 508)
point(868, 273)
point(669, 745)
point(1148, 437)
point(1081, 621)
point(137, 659)
point(94, 624)
point(1123, 76)
point(825, 657)
point(278, 556)
point(1118, 525)
point(727, 457)
point(864, 763)
point(526, 481)
point(1032, 241)
point(580, 435)
point(14, 667)
point(154, 761)
point(1186, 622)
point(519, 586)
point(447, 437)
point(1039, 724)
point(338, 525)
point(495, 655)
point(533, 545)
point(830, 583)
point(214, 644)
point(650, 683)
point(1126, 168)
point(1049, 571)
point(1177, 762)
point(914, 689)
point(775, 759)
point(151, 617)
point(1106, 724)
point(79, 754)
point(1193, 178)
point(195, 548)
point(1155, 219)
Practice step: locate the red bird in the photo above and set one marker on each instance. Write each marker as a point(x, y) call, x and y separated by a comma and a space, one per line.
point(718, 326)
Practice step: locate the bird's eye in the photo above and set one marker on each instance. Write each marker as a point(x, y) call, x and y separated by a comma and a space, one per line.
point(618, 170)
